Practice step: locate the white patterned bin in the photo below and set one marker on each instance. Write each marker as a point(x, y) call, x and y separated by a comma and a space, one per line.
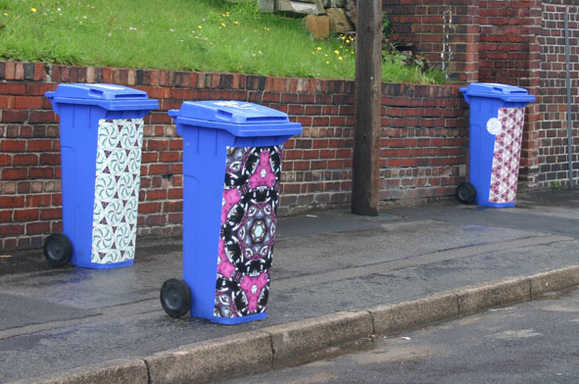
point(101, 135)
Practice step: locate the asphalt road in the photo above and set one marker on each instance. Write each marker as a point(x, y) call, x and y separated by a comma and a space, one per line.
point(535, 342)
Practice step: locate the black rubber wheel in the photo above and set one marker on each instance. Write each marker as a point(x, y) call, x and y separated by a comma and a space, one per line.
point(58, 250)
point(176, 297)
point(465, 193)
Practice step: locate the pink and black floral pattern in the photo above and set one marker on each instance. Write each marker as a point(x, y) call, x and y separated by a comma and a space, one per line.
point(248, 230)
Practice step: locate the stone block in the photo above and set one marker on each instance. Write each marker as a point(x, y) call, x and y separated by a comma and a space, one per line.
point(473, 300)
point(339, 22)
point(390, 319)
point(318, 26)
point(210, 361)
point(554, 280)
point(312, 339)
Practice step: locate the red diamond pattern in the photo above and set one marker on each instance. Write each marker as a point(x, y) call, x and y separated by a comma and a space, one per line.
point(505, 170)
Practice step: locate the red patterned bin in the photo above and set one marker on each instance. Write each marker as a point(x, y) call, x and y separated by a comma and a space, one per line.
point(497, 117)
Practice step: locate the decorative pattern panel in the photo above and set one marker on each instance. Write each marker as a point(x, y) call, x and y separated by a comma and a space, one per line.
point(248, 230)
point(118, 168)
point(506, 157)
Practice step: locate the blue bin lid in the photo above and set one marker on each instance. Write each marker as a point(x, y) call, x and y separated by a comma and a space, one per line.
point(241, 119)
point(508, 93)
point(108, 96)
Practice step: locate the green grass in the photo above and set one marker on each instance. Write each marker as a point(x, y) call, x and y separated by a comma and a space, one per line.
point(197, 35)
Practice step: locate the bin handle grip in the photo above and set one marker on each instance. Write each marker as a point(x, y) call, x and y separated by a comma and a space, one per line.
point(501, 90)
point(95, 92)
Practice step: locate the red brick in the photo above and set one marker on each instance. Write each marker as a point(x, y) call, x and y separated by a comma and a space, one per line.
point(11, 229)
point(155, 220)
point(157, 145)
point(41, 117)
point(293, 155)
point(5, 160)
point(50, 213)
point(149, 157)
point(6, 102)
point(39, 145)
point(175, 193)
point(38, 227)
point(149, 207)
point(27, 159)
point(175, 218)
point(158, 169)
point(158, 194)
point(41, 173)
point(23, 215)
point(169, 156)
point(301, 165)
point(14, 116)
point(13, 88)
point(23, 187)
point(27, 102)
point(14, 173)
point(56, 199)
point(38, 200)
point(159, 118)
point(176, 168)
point(5, 216)
point(7, 145)
point(173, 206)
point(176, 144)
point(49, 159)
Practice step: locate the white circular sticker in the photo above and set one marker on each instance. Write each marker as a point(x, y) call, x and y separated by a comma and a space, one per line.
point(494, 126)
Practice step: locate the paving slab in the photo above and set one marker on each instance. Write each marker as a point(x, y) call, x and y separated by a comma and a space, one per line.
point(324, 263)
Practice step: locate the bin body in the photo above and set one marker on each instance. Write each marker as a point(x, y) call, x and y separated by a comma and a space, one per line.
point(101, 134)
point(497, 116)
point(232, 155)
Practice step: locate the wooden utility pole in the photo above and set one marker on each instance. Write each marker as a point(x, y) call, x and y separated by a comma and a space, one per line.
point(366, 161)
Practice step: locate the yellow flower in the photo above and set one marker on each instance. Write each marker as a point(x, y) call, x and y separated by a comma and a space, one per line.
point(337, 52)
point(5, 13)
point(327, 61)
point(200, 27)
point(340, 58)
point(223, 25)
point(318, 48)
point(227, 14)
point(33, 10)
point(236, 22)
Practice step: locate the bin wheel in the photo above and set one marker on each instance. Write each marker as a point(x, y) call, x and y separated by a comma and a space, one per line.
point(465, 193)
point(58, 250)
point(176, 297)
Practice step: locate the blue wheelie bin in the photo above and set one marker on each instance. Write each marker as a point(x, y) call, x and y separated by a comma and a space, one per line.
point(101, 133)
point(497, 116)
point(232, 153)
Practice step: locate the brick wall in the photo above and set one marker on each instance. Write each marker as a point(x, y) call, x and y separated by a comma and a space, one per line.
point(552, 131)
point(423, 143)
point(445, 32)
point(508, 54)
point(519, 42)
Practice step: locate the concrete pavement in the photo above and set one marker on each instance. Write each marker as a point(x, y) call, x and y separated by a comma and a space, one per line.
point(336, 279)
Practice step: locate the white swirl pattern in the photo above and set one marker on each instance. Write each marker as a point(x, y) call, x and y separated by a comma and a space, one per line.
point(117, 184)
